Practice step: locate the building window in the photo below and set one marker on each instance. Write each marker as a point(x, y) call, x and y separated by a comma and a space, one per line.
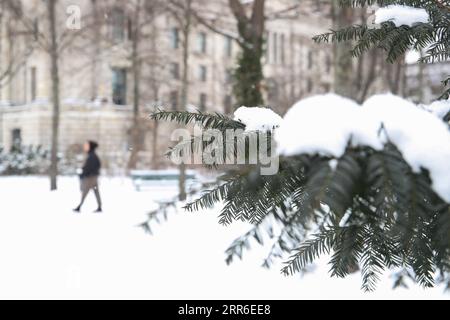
point(228, 104)
point(228, 47)
point(202, 42)
point(203, 73)
point(310, 59)
point(275, 48)
point(202, 102)
point(35, 29)
point(282, 49)
point(273, 90)
point(174, 38)
point(309, 86)
point(118, 24)
point(119, 83)
point(130, 29)
point(16, 138)
point(33, 83)
point(228, 76)
point(174, 100)
point(328, 63)
point(175, 70)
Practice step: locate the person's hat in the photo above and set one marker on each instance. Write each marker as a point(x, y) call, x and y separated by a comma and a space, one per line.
point(92, 145)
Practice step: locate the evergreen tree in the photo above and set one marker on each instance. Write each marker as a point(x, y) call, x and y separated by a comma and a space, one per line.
point(430, 38)
point(249, 72)
point(371, 210)
point(248, 77)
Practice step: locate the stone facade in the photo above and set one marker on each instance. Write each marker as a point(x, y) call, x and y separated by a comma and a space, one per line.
point(96, 67)
point(87, 72)
point(424, 82)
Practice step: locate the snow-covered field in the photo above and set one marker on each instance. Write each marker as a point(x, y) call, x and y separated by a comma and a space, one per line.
point(46, 252)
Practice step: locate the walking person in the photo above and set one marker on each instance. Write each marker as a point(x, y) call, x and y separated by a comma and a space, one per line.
point(89, 175)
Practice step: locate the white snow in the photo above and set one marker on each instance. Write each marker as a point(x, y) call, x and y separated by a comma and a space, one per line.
point(412, 57)
point(73, 101)
point(324, 125)
point(327, 124)
point(439, 108)
point(401, 15)
point(257, 119)
point(423, 139)
point(333, 164)
point(47, 252)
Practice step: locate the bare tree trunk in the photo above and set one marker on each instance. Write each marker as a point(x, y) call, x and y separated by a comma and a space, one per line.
point(136, 130)
point(2, 8)
point(403, 89)
point(54, 60)
point(96, 44)
point(395, 73)
point(155, 162)
point(343, 65)
point(358, 83)
point(421, 79)
point(370, 77)
point(397, 76)
point(155, 87)
point(185, 87)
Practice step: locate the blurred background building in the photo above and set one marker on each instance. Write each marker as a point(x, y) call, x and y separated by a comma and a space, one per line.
point(112, 51)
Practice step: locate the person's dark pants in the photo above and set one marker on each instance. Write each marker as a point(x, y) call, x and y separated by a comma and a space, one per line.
point(87, 184)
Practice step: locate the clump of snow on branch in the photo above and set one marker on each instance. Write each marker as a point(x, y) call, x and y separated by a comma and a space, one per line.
point(257, 119)
point(401, 15)
point(412, 57)
point(439, 108)
point(325, 125)
point(328, 124)
point(422, 138)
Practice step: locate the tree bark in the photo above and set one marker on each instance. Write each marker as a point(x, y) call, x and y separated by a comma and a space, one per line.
point(96, 53)
point(395, 73)
point(155, 162)
point(2, 9)
point(369, 79)
point(249, 73)
point(155, 86)
point(136, 130)
point(185, 86)
point(343, 63)
point(54, 61)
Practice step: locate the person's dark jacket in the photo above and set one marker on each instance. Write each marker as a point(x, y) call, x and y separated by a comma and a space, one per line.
point(91, 167)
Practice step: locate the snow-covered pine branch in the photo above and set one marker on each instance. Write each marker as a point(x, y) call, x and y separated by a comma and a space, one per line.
point(327, 125)
point(401, 15)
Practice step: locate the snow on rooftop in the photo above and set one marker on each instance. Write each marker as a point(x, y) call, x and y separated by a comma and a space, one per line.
point(327, 124)
point(257, 119)
point(401, 15)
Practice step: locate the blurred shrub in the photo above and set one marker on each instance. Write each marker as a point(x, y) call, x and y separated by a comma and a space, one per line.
point(24, 160)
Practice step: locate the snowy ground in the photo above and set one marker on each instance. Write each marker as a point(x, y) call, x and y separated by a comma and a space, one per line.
point(46, 252)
